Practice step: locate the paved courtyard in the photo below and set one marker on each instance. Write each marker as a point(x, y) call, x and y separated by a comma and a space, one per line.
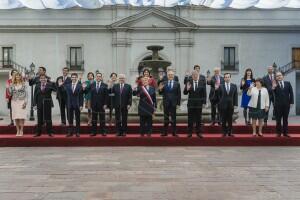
point(214, 173)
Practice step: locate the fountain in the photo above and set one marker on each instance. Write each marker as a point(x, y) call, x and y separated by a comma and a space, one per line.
point(156, 62)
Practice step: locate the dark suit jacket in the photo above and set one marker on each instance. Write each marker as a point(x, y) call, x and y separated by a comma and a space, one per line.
point(100, 98)
point(171, 96)
point(36, 80)
point(212, 95)
point(75, 99)
point(62, 94)
point(41, 97)
point(202, 79)
point(227, 101)
point(145, 108)
point(196, 98)
point(124, 99)
point(285, 96)
point(268, 84)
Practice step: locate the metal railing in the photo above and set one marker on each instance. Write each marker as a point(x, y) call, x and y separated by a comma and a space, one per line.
point(289, 67)
point(234, 67)
point(4, 64)
point(75, 65)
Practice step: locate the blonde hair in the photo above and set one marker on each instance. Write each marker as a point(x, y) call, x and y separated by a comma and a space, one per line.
point(15, 81)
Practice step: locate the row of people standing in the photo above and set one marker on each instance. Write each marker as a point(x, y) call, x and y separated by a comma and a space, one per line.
point(169, 87)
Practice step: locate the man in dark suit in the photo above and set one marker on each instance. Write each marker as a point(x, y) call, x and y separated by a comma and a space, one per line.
point(122, 101)
point(36, 80)
point(284, 98)
point(43, 102)
point(214, 83)
point(171, 92)
point(61, 95)
point(196, 99)
point(164, 77)
point(268, 82)
point(99, 101)
point(227, 93)
point(201, 78)
point(74, 91)
point(147, 105)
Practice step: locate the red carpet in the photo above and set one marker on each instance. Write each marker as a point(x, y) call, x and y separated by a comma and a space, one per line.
point(154, 140)
point(212, 137)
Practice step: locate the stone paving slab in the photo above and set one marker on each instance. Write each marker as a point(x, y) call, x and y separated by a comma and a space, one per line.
point(156, 173)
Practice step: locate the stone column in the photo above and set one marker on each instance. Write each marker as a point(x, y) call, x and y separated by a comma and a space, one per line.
point(121, 51)
point(184, 42)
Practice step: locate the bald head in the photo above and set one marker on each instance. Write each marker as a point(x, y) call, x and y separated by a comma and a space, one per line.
point(217, 70)
point(122, 78)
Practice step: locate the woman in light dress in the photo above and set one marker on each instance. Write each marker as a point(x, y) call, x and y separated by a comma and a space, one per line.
point(258, 105)
point(19, 96)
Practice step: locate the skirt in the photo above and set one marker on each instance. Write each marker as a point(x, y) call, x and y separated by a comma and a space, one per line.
point(17, 110)
point(257, 113)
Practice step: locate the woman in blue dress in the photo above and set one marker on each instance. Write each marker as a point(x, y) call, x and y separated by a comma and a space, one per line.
point(246, 82)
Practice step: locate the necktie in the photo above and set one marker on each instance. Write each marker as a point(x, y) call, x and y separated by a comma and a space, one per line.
point(195, 85)
point(227, 88)
point(259, 99)
point(169, 86)
point(73, 87)
point(281, 85)
point(43, 87)
point(97, 87)
point(121, 88)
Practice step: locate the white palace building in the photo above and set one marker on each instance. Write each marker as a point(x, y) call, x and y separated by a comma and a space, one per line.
point(112, 36)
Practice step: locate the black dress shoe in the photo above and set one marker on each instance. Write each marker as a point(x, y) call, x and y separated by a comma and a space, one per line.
point(93, 134)
point(190, 135)
point(142, 134)
point(119, 134)
point(11, 123)
point(69, 135)
point(103, 133)
point(37, 135)
point(124, 134)
point(286, 135)
point(149, 134)
point(174, 135)
point(224, 135)
point(164, 134)
point(77, 134)
point(50, 134)
point(199, 135)
point(278, 134)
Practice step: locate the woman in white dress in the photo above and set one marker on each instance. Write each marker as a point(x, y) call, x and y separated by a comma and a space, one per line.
point(19, 96)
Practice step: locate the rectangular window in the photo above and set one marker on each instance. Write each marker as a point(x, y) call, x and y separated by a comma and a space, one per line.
point(76, 58)
point(229, 62)
point(7, 56)
point(296, 58)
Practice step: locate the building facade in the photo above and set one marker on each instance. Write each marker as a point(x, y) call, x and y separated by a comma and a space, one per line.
point(114, 39)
